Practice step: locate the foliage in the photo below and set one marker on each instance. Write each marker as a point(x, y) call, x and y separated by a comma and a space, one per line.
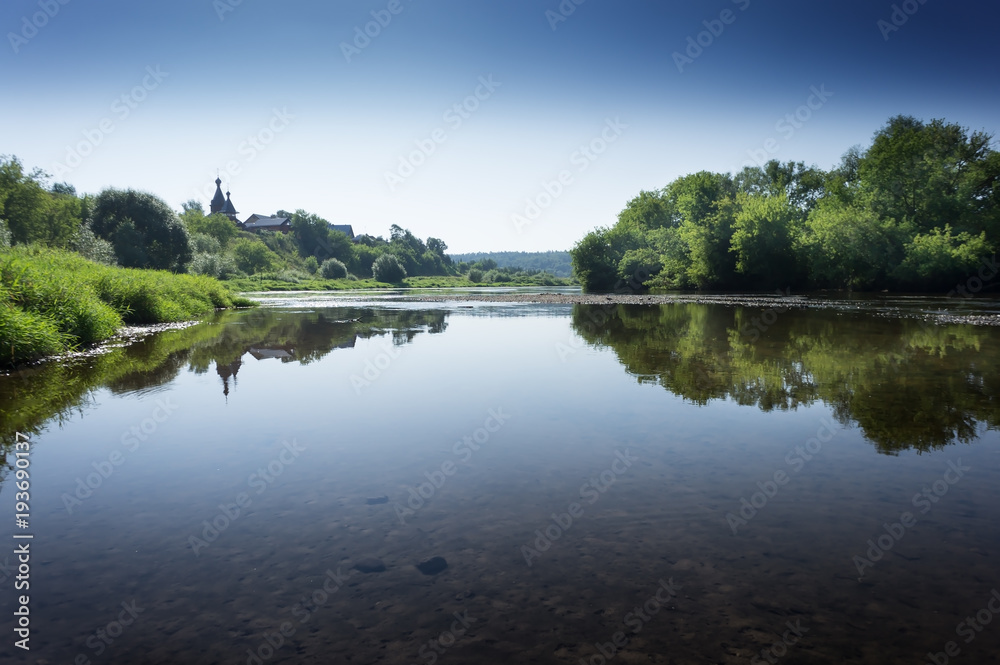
point(89, 246)
point(388, 268)
point(252, 256)
point(144, 230)
point(556, 263)
point(333, 269)
point(916, 210)
point(55, 301)
point(475, 275)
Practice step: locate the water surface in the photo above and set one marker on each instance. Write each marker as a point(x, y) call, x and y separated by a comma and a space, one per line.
point(226, 479)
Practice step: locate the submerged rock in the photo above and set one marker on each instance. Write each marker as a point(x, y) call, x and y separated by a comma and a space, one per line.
point(432, 566)
point(369, 565)
point(377, 500)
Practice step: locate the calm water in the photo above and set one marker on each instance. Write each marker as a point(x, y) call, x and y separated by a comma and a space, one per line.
point(668, 477)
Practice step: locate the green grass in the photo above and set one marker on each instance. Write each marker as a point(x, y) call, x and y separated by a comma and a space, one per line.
point(437, 282)
point(53, 301)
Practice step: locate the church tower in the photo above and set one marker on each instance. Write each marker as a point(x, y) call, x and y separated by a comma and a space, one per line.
point(218, 201)
point(229, 210)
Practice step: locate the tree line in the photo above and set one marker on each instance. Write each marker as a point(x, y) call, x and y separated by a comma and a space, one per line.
point(136, 229)
point(918, 210)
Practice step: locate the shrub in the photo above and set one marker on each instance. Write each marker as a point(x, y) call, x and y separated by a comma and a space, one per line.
point(332, 269)
point(475, 275)
point(253, 256)
point(387, 268)
point(4, 236)
point(89, 246)
point(205, 244)
point(311, 265)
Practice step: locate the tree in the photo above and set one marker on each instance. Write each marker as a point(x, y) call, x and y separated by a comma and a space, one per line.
point(217, 226)
point(594, 264)
point(762, 239)
point(333, 269)
point(846, 246)
point(387, 268)
point(252, 256)
point(143, 229)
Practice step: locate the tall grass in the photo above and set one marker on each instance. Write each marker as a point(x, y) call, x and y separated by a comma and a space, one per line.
point(53, 301)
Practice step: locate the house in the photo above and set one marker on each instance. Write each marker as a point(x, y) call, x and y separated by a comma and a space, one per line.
point(344, 228)
point(224, 205)
point(262, 223)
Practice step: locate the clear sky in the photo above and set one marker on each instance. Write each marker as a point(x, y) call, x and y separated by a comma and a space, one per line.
point(296, 107)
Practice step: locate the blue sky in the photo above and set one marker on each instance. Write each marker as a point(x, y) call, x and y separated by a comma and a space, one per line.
point(562, 115)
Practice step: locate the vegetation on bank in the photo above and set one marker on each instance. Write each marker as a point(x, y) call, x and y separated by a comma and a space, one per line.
point(557, 263)
point(301, 282)
point(137, 229)
point(53, 301)
point(918, 210)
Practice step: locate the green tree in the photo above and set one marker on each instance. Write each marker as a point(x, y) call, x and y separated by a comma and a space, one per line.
point(763, 230)
point(387, 268)
point(333, 269)
point(846, 246)
point(253, 256)
point(217, 226)
point(143, 229)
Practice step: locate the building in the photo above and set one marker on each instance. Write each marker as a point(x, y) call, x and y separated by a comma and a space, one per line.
point(344, 228)
point(261, 223)
point(223, 204)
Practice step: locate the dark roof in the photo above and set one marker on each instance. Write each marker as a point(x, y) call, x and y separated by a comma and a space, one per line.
point(229, 208)
point(218, 201)
point(344, 228)
point(258, 222)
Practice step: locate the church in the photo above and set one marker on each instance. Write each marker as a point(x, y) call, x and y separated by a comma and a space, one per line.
point(224, 205)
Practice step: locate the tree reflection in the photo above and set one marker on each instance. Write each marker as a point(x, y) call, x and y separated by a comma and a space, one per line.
point(905, 383)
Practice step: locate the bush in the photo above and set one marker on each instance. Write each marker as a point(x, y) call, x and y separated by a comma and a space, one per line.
point(205, 244)
point(311, 265)
point(332, 269)
point(89, 246)
point(214, 265)
point(4, 236)
point(388, 269)
point(475, 275)
point(253, 256)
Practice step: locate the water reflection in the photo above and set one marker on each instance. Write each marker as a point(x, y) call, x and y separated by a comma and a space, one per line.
point(905, 383)
point(32, 398)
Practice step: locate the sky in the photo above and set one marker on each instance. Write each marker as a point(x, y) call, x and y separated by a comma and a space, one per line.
point(493, 125)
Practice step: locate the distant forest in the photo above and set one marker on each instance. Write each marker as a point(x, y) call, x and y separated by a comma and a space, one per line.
point(556, 263)
point(918, 210)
